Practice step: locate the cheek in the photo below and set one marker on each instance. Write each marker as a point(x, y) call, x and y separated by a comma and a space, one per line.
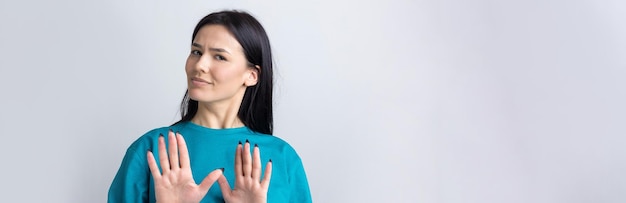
point(226, 75)
point(188, 66)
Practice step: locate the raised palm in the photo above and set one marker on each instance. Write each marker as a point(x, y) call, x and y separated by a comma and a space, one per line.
point(175, 182)
point(249, 187)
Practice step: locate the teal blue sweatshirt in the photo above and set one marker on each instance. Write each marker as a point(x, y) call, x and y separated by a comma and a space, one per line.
point(210, 149)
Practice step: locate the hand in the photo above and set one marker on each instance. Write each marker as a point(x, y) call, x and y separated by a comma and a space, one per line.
point(176, 183)
point(249, 188)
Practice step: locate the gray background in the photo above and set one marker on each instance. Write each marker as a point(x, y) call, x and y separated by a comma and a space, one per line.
point(390, 101)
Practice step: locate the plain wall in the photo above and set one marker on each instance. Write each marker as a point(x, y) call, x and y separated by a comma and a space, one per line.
point(445, 101)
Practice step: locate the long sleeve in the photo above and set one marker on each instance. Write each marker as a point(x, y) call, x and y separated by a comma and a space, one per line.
point(132, 179)
point(289, 182)
point(298, 181)
point(210, 149)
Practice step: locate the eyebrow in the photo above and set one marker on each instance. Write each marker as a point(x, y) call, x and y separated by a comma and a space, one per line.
point(210, 48)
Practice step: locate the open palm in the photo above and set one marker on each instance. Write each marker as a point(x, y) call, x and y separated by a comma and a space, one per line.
point(249, 187)
point(175, 182)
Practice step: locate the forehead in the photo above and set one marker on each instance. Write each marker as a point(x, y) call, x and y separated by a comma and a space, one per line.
point(216, 36)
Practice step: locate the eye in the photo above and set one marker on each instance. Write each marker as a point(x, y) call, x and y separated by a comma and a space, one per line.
point(196, 52)
point(220, 57)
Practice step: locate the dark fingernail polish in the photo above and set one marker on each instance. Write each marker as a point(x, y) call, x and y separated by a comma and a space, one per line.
point(270, 160)
point(255, 145)
point(247, 141)
point(160, 134)
point(149, 150)
point(239, 141)
point(171, 130)
point(222, 169)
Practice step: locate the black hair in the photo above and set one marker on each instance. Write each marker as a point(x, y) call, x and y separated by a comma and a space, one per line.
point(256, 107)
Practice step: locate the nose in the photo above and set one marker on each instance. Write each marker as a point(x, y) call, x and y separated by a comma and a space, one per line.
point(203, 63)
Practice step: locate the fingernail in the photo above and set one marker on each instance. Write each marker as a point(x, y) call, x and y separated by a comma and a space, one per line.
point(222, 169)
point(160, 134)
point(239, 141)
point(255, 145)
point(171, 130)
point(270, 160)
point(247, 141)
point(149, 150)
point(177, 132)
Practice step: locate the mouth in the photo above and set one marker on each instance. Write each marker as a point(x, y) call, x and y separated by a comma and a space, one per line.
point(199, 81)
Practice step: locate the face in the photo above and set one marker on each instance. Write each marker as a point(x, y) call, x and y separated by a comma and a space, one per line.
point(217, 69)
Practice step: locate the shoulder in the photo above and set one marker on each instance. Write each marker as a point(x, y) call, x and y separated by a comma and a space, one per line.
point(284, 148)
point(274, 140)
point(148, 139)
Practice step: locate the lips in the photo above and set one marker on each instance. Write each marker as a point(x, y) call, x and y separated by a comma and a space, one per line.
point(199, 81)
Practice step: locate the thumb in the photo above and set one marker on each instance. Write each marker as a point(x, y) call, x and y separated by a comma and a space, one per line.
point(208, 181)
point(224, 186)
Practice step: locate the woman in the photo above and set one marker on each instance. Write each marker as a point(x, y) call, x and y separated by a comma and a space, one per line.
point(226, 113)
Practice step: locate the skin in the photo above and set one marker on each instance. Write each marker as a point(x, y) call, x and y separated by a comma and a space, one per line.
point(217, 76)
point(217, 58)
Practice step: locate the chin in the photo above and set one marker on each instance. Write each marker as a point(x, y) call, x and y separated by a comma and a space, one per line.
point(196, 94)
point(202, 96)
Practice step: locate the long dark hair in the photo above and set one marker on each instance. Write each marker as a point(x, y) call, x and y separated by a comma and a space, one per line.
point(256, 108)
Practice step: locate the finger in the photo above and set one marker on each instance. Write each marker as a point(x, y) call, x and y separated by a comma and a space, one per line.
point(183, 152)
point(256, 163)
point(238, 171)
point(224, 186)
point(154, 169)
point(208, 181)
point(173, 150)
point(165, 162)
point(246, 160)
point(268, 175)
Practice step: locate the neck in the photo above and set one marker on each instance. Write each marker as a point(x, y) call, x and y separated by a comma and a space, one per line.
point(218, 115)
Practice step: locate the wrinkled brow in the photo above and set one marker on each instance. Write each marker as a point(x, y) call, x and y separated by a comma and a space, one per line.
point(211, 48)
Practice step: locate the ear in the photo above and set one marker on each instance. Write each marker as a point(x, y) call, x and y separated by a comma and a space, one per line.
point(253, 76)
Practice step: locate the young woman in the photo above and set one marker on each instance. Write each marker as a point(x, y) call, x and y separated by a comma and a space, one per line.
point(226, 121)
